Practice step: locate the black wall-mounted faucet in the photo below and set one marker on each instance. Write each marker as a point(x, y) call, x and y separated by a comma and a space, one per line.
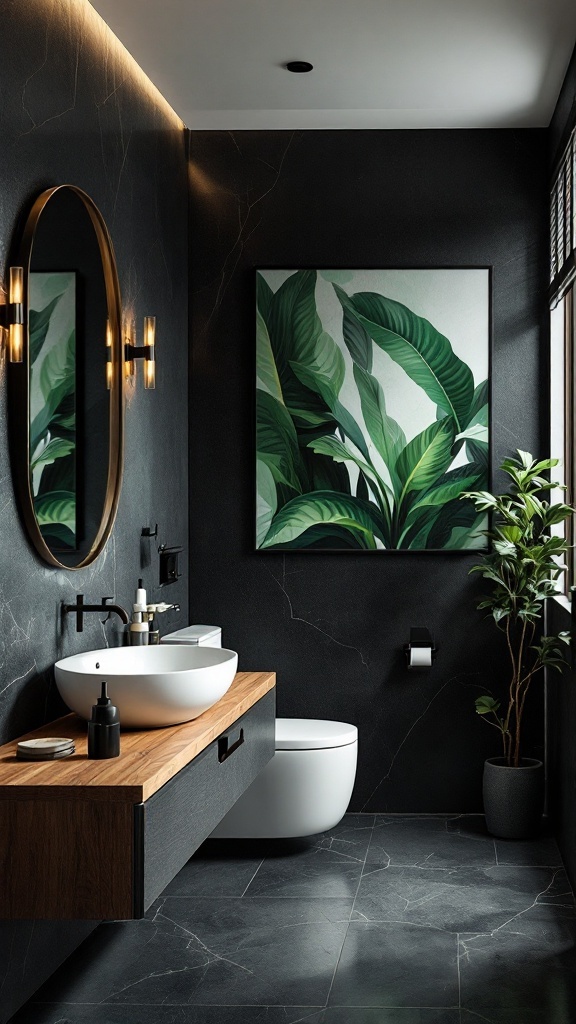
point(80, 608)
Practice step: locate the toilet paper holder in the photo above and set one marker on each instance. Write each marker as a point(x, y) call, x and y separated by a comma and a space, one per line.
point(420, 643)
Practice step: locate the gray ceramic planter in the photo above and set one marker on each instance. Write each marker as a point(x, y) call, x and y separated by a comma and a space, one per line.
point(513, 798)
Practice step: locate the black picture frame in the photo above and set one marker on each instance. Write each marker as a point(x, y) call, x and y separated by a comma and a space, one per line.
point(460, 301)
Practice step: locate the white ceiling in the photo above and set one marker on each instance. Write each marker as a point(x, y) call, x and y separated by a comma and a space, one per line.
point(377, 63)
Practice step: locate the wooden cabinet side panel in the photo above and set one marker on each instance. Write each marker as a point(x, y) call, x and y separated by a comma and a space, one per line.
point(65, 859)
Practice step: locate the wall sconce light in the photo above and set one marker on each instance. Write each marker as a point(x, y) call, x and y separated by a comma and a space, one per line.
point(109, 356)
point(150, 358)
point(16, 315)
point(147, 352)
point(13, 318)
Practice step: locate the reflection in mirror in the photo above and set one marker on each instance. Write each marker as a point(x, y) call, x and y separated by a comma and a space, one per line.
point(69, 388)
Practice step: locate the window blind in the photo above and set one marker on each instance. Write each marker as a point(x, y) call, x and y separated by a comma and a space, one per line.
point(563, 224)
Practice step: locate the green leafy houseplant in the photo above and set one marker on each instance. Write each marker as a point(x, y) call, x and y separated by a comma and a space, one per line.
point(523, 569)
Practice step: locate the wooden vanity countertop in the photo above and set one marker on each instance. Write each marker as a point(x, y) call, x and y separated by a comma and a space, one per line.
point(148, 757)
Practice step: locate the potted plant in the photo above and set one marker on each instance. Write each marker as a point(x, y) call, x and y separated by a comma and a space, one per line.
point(523, 568)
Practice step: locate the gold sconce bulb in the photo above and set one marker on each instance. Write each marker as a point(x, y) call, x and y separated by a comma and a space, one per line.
point(16, 315)
point(109, 356)
point(150, 350)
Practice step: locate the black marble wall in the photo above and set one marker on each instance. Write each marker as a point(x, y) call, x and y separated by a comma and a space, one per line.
point(75, 108)
point(333, 625)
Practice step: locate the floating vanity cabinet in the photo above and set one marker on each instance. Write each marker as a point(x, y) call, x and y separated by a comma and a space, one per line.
point(173, 823)
point(100, 840)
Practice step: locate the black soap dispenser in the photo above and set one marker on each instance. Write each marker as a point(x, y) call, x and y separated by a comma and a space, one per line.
point(104, 729)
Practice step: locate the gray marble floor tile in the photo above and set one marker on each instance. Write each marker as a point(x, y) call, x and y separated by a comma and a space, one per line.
point(396, 966)
point(211, 951)
point(527, 966)
point(262, 946)
point(433, 842)
point(388, 1015)
point(459, 899)
point(329, 864)
point(221, 867)
point(98, 964)
point(518, 1015)
point(532, 851)
point(468, 825)
point(44, 1013)
point(247, 952)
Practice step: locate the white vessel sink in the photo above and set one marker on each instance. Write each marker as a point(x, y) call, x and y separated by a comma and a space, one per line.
point(151, 686)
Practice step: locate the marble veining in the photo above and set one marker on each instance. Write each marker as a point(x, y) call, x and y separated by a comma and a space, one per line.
point(350, 927)
point(334, 624)
point(75, 108)
point(469, 681)
point(245, 202)
point(313, 625)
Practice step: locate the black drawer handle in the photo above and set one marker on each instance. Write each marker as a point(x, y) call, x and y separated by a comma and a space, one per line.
point(224, 750)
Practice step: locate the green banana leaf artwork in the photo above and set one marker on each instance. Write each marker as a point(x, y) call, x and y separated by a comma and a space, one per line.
point(52, 357)
point(372, 409)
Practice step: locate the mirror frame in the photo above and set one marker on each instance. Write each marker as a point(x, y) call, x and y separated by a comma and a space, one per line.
point(19, 388)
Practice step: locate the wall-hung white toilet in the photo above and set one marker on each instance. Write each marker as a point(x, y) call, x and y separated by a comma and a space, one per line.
point(304, 789)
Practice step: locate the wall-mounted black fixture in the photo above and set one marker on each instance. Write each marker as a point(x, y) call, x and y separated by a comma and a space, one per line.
point(169, 567)
point(80, 609)
point(421, 651)
point(146, 536)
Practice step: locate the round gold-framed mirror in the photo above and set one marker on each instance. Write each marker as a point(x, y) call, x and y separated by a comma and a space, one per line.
point(66, 400)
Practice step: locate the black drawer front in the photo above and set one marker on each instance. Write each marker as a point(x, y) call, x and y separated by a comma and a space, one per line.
point(180, 816)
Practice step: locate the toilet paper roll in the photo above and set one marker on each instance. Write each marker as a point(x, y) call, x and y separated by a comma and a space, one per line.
point(420, 657)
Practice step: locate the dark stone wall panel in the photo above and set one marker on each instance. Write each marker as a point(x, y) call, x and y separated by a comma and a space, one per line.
point(333, 626)
point(75, 108)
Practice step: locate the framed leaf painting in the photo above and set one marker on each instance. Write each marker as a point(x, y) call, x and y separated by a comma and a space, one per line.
point(372, 408)
point(53, 421)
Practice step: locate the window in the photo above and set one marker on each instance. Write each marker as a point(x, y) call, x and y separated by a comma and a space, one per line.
point(562, 421)
point(563, 332)
point(563, 224)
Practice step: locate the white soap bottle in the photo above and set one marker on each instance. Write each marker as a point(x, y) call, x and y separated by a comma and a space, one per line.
point(138, 629)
